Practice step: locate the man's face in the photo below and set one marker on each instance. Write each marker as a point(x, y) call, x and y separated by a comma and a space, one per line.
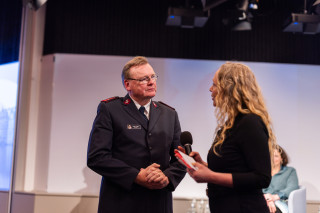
point(141, 91)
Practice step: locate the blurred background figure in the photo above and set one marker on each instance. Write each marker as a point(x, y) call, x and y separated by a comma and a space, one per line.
point(284, 181)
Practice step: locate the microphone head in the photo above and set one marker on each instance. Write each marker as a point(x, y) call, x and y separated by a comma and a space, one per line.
point(186, 138)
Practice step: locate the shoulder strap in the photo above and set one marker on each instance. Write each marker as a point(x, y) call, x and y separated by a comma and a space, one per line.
point(166, 105)
point(110, 99)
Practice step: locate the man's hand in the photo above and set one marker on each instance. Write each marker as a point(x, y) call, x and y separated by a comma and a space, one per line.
point(158, 179)
point(152, 177)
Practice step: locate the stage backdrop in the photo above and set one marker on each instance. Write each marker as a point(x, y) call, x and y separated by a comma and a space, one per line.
point(73, 85)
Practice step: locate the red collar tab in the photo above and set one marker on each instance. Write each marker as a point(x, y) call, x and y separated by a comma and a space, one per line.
point(110, 99)
point(127, 101)
point(154, 104)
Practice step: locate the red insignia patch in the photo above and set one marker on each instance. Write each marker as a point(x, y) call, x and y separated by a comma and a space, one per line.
point(127, 101)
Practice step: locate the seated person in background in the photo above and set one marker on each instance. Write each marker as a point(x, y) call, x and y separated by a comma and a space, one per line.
point(284, 181)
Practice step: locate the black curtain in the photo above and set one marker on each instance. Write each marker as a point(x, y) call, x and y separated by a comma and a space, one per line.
point(130, 28)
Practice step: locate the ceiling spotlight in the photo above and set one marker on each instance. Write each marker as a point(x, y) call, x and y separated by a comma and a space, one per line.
point(187, 17)
point(302, 23)
point(239, 19)
point(306, 23)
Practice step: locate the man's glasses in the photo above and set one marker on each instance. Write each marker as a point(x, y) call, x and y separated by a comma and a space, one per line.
point(146, 79)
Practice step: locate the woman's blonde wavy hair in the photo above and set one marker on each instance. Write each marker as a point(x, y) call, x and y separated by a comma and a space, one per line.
point(238, 92)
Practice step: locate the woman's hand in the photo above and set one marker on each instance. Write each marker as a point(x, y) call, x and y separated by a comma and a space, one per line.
point(270, 199)
point(267, 196)
point(275, 197)
point(181, 149)
point(202, 174)
point(272, 206)
point(195, 155)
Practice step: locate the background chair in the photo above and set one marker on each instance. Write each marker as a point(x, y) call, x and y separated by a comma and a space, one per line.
point(297, 201)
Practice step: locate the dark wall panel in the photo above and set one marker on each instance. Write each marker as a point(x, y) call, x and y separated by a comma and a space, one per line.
point(10, 22)
point(130, 28)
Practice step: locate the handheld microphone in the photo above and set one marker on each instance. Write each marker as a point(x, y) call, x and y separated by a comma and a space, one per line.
point(186, 141)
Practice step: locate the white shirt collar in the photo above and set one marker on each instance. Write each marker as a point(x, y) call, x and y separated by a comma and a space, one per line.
point(147, 107)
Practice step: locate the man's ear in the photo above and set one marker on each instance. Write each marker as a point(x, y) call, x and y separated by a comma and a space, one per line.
point(126, 85)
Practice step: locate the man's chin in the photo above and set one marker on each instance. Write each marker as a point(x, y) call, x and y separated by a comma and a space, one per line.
point(150, 95)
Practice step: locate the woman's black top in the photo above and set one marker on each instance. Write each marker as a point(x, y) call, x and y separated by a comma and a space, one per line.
point(244, 154)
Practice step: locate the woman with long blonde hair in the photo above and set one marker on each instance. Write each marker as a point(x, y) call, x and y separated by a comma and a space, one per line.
point(239, 160)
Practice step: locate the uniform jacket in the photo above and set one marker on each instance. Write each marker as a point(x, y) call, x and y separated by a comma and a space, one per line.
point(122, 142)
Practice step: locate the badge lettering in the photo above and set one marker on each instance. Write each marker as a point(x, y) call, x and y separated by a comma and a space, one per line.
point(133, 126)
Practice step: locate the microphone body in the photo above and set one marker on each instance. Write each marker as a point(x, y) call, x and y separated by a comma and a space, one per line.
point(186, 141)
point(188, 148)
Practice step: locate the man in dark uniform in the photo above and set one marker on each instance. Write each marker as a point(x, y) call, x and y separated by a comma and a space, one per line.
point(132, 146)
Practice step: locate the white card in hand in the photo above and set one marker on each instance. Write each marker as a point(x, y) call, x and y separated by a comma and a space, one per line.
point(185, 159)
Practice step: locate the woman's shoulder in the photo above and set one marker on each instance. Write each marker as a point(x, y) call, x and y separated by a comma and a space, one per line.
point(249, 119)
point(250, 122)
point(287, 171)
point(289, 168)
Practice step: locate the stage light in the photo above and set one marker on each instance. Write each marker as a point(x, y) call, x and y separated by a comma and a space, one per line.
point(305, 23)
point(237, 20)
point(186, 17)
point(302, 23)
point(240, 17)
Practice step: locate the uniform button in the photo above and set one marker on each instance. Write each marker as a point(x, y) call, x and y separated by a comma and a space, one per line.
point(150, 134)
point(150, 147)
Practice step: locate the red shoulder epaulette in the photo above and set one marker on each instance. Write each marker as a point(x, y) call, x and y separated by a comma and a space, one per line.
point(110, 99)
point(166, 105)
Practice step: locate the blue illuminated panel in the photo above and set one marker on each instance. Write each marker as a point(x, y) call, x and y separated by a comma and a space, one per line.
point(8, 100)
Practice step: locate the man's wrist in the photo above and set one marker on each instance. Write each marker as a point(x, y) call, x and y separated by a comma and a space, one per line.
point(139, 179)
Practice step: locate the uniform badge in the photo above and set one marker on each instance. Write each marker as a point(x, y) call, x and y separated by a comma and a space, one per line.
point(133, 126)
point(127, 101)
